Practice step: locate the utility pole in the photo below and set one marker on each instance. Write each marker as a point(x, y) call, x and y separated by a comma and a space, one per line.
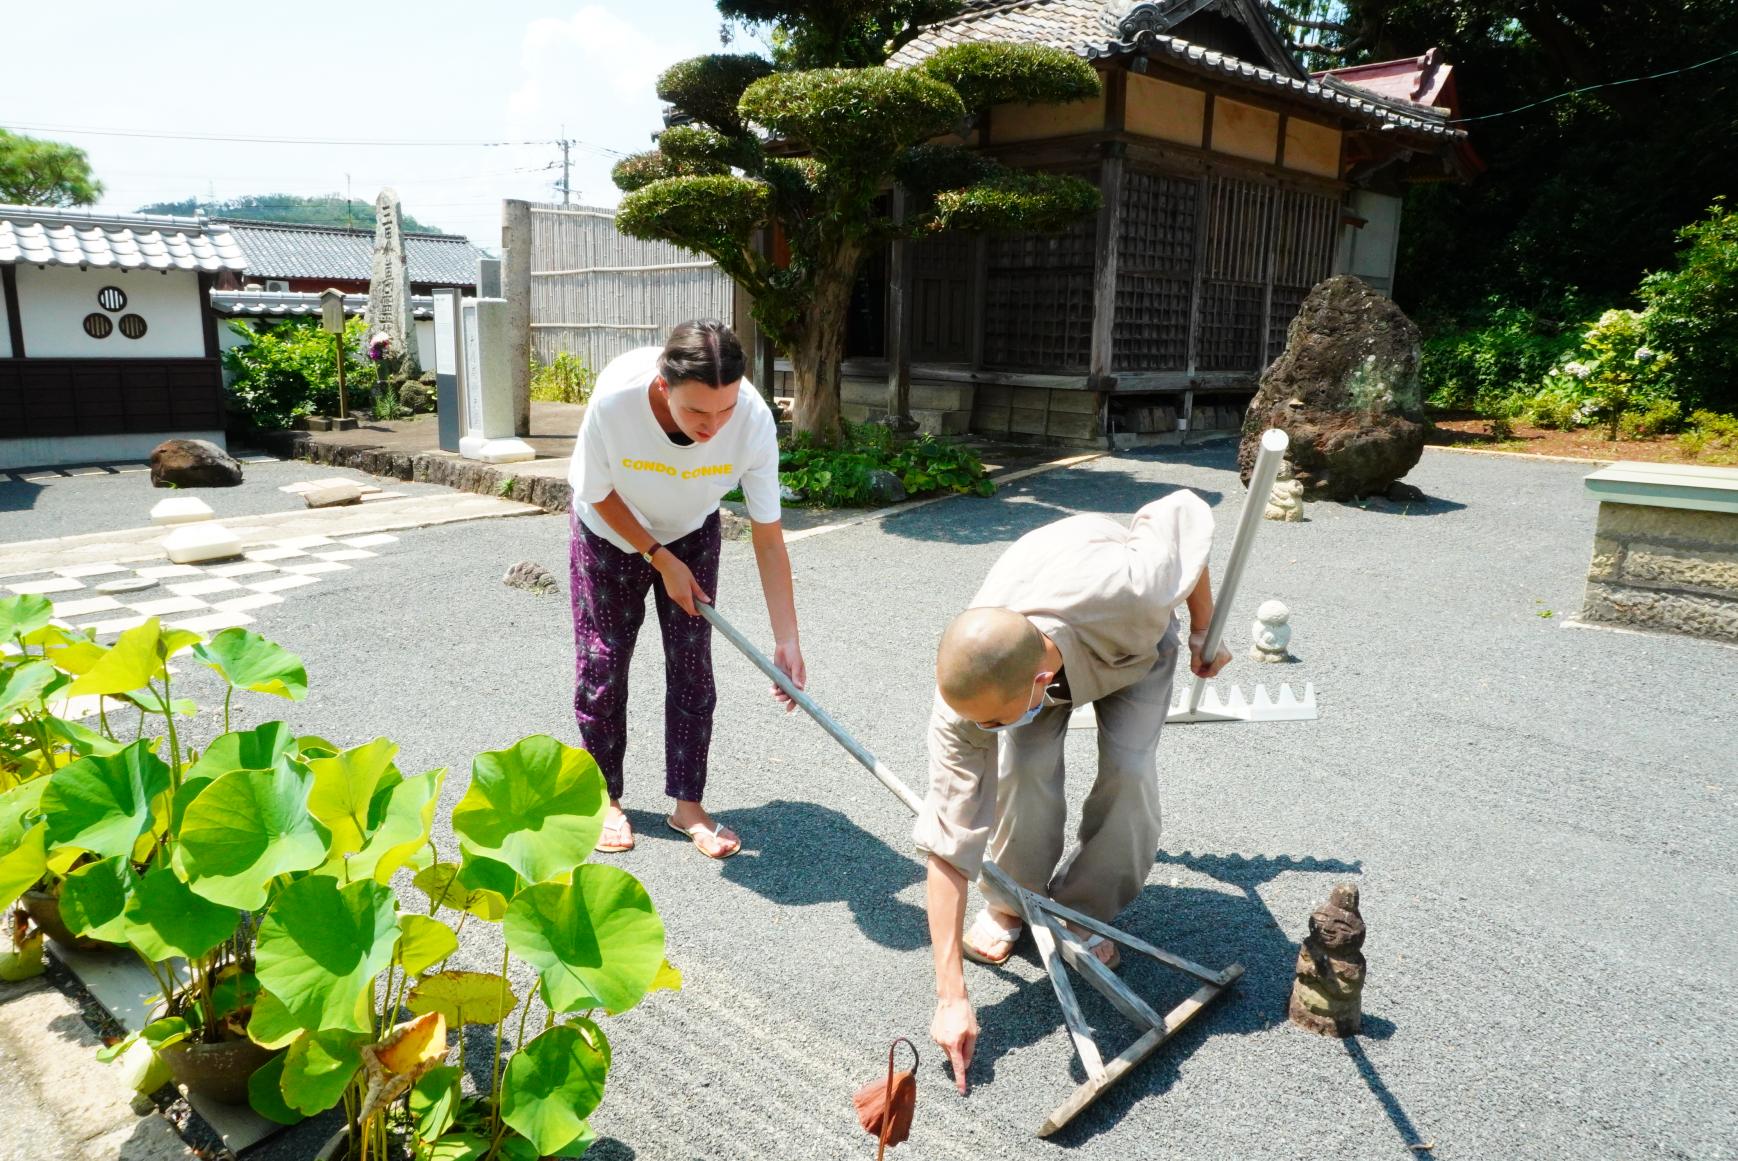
point(566, 190)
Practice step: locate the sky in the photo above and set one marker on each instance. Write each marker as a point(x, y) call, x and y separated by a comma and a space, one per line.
point(523, 72)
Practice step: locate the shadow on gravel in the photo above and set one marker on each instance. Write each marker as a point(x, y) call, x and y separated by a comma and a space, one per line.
point(1015, 512)
point(1212, 927)
point(807, 837)
point(18, 495)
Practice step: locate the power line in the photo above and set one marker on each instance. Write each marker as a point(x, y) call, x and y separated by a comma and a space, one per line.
point(1713, 60)
point(263, 140)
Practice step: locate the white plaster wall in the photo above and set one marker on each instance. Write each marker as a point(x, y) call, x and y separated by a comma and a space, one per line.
point(1370, 251)
point(67, 450)
point(53, 302)
point(425, 340)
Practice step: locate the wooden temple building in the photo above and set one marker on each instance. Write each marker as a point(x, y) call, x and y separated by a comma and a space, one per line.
point(1232, 180)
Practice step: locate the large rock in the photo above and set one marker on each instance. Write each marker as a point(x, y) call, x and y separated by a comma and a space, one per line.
point(193, 463)
point(1346, 391)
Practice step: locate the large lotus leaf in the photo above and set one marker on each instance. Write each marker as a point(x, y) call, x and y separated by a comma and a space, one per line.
point(25, 960)
point(25, 685)
point(244, 830)
point(102, 804)
point(94, 898)
point(537, 806)
point(82, 740)
point(248, 661)
point(464, 997)
point(434, 1101)
point(320, 947)
point(314, 746)
point(318, 1067)
point(344, 785)
point(460, 1147)
point(485, 874)
point(399, 821)
point(265, 1092)
point(152, 702)
point(166, 919)
point(423, 942)
point(551, 1086)
point(18, 810)
point(24, 614)
point(23, 864)
point(261, 748)
point(596, 943)
point(271, 1025)
point(441, 883)
point(130, 663)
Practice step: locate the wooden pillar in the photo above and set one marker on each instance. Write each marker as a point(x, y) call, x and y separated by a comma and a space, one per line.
point(980, 297)
point(1104, 266)
point(1270, 266)
point(14, 321)
point(899, 325)
point(516, 288)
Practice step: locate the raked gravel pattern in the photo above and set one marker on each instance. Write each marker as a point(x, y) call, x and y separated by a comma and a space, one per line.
point(1541, 820)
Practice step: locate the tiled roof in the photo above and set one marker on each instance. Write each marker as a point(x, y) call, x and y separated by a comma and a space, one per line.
point(42, 236)
point(1078, 26)
point(289, 250)
point(275, 304)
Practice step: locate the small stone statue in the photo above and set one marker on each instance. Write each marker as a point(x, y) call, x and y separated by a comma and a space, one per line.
point(1328, 995)
point(1286, 501)
point(1271, 631)
point(532, 577)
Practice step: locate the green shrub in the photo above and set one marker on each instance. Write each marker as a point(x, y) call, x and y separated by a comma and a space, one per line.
point(290, 369)
point(565, 380)
point(1711, 437)
point(1692, 311)
point(1503, 353)
point(840, 477)
point(1621, 373)
point(1656, 418)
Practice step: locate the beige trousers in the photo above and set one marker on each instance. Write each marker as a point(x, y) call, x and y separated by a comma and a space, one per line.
point(1119, 823)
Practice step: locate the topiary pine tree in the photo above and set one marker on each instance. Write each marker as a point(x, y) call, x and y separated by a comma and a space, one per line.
point(809, 150)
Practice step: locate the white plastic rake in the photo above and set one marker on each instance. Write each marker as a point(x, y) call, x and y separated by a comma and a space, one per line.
point(1199, 702)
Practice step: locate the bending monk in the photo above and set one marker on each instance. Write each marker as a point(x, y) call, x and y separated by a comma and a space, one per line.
point(1078, 612)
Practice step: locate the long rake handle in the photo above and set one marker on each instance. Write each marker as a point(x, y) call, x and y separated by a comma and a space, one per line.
point(1267, 462)
point(853, 747)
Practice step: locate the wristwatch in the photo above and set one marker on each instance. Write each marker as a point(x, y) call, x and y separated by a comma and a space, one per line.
point(651, 552)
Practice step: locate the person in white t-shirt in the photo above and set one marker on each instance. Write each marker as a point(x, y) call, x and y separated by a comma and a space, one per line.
point(666, 434)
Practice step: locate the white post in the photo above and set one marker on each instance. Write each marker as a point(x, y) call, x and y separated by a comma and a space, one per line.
point(488, 384)
point(1267, 462)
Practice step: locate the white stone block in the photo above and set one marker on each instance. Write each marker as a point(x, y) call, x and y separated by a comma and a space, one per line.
point(181, 510)
point(495, 451)
point(332, 495)
point(193, 543)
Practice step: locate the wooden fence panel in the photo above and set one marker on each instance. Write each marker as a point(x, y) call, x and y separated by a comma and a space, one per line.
point(595, 292)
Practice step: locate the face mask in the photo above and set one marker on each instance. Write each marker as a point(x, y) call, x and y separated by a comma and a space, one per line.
point(1030, 713)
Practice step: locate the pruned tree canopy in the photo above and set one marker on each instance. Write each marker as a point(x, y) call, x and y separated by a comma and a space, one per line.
point(44, 173)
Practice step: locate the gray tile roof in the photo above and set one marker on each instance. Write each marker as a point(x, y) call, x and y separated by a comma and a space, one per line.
point(1079, 26)
point(275, 304)
point(289, 250)
point(41, 236)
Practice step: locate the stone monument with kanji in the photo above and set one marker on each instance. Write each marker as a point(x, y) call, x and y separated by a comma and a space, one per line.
point(389, 309)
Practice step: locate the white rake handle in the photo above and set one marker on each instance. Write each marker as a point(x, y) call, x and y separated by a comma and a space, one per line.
point(853, 747)
point(1267, 462)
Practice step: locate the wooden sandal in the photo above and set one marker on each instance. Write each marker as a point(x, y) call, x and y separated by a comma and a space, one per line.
point(984, 930)
point(618, 826)
point(701, 830)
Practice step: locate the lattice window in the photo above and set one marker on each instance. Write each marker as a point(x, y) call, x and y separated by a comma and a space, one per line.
point(1152, 323)
point(1230, 327)
point(1305, 225)
point(1287, 301)
point(1038, 304)
point(1155, 263)
point(1238, 214)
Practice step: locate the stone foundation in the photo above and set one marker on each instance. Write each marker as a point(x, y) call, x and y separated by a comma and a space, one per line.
point(1671, 570)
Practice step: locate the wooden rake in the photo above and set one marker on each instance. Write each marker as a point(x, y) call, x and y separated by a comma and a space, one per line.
point(1045, 917)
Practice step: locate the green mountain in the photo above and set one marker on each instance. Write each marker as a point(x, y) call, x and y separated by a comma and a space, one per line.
point(323, 210)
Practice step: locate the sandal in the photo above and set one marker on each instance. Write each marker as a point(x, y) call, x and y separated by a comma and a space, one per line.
point(617, 826)
point(986, 930)
point(1093, 943)
point(700, 830)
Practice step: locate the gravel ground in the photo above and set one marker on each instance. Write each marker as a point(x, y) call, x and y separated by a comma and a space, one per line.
point(1541, 821)
point(67, 505)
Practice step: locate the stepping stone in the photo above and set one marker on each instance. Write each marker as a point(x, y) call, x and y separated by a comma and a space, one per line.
point(127, 584)
point(181, 510)
point(193, 543)
point(332, 495)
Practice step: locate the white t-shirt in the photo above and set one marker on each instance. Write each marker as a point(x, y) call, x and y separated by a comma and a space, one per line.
point(669, 487)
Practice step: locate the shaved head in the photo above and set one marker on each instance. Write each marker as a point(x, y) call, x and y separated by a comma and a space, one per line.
point(988, 653)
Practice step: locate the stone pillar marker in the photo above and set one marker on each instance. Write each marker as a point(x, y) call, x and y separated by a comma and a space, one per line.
point(448, 389)
point(1328, 994)
point(389, 282)
point(487, 342)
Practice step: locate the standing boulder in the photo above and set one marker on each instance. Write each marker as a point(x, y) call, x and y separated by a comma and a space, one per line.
point(1346, 390)
point(193, 463)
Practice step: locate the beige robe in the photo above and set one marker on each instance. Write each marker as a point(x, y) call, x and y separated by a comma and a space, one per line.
point(1105, 593)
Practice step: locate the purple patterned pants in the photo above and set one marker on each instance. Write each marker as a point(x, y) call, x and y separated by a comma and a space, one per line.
point(609, 603)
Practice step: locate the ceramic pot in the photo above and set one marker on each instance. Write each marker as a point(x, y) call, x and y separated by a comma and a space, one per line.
point(219, 1071)
point(44, 911)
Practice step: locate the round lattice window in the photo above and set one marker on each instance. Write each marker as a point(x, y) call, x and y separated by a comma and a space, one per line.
point(112, 298)
point(132, 326)
point(98, 326)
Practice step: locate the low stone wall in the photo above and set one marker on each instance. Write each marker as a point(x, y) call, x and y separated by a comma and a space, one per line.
point(1667, 569)
point(551, 493)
